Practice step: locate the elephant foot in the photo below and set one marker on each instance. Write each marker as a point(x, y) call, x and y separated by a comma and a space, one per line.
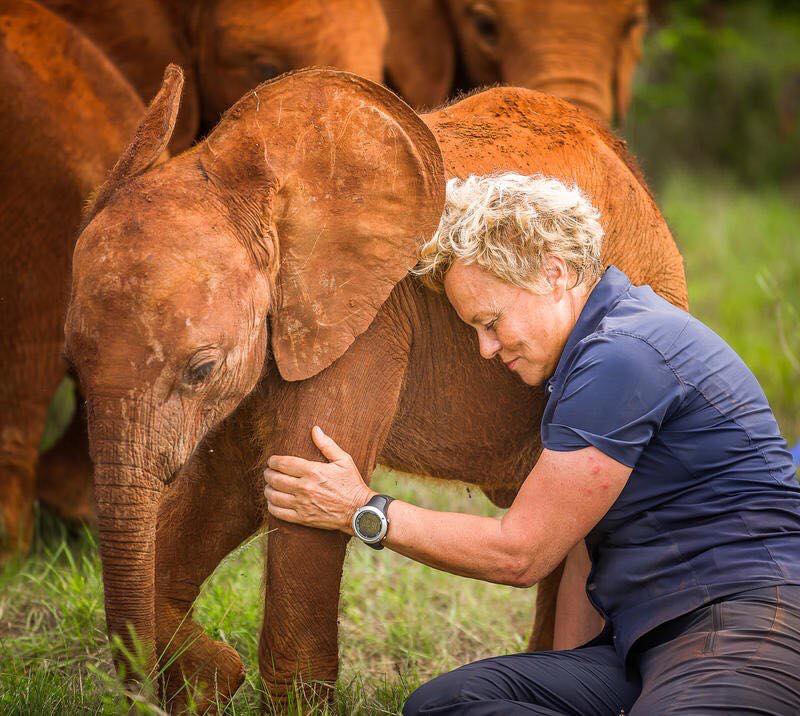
point(291, 686)
point(16, 513)
point(297, 695)
point(199, 675)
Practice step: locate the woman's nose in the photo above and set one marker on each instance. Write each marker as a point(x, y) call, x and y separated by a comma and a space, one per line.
point(488, 345)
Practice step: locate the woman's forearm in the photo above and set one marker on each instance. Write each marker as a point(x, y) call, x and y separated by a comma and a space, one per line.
point(559, 501)
point(466, 545)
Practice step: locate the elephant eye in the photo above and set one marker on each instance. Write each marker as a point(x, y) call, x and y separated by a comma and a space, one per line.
point(195, 375)
point(633, 23)
point(485, 23)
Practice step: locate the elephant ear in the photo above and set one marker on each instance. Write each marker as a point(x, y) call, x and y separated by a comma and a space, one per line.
point(420, 55)
point(628, 56)
point(352, 182)
point(149, 141)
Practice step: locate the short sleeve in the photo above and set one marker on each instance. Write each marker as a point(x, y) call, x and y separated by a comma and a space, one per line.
point(615, 396)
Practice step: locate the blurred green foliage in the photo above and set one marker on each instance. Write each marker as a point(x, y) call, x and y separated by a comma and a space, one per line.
point(742, 262)
point(719, 90)
point(59, 414)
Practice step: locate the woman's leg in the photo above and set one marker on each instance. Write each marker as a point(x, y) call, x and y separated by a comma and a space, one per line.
point(586, 681)
point(741, 655)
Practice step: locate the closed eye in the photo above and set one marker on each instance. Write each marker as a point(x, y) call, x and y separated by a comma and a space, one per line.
point(197, 374)
point(492, 323)
point(201, 366)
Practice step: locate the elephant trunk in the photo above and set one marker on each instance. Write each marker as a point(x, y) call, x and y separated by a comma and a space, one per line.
point(130, 473)
point(127, 507)
point(584, 85)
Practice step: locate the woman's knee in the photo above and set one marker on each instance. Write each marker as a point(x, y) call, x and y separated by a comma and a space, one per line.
point(441, 691)
point(472, 682)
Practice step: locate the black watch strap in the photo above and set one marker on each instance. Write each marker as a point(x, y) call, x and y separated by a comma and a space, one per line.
point(382, 503)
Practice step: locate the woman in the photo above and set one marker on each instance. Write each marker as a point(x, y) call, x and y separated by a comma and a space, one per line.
point(663, 481)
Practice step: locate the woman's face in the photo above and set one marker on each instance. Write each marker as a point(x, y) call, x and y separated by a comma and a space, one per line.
point(526, 330)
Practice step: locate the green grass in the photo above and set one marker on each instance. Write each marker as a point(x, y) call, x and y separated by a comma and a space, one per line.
point(401, 622)
point(742, 255)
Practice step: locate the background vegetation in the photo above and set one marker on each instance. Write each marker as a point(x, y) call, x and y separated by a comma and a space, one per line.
point(715, 123)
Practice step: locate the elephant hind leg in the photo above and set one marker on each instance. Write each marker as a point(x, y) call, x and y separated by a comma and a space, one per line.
point(64, 474)
point(544, 623)
point(18, 455)
point(22, 419)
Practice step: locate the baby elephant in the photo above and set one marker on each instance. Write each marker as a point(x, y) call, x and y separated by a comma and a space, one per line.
point(228, 299)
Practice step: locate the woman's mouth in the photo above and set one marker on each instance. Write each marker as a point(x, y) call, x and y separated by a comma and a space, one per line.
point(511, 363)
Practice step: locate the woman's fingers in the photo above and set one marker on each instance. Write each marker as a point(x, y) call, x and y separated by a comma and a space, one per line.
point(280, 499)
point(327, 446)
point(282, 482)
point(282, 513)
point(290, 465)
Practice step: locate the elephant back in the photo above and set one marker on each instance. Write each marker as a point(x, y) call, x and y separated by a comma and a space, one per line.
point(519, 130)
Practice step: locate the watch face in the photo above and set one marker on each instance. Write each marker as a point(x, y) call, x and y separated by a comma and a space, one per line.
point(369, 524)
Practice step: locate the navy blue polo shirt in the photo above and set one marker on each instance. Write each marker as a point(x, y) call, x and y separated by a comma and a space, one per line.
point(712, 506)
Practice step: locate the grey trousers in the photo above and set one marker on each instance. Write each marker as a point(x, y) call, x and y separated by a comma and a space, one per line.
point(740, 655)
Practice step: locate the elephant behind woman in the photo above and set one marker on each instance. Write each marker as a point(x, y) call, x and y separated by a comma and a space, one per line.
point(585, 51)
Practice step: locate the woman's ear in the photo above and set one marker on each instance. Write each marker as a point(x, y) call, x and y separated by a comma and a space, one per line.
point(344, 182)
point(420, 56)
point(149, 141)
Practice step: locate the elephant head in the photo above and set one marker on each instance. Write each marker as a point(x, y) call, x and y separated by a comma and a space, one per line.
point(276, 238)
point(244, 42)
point(228, 47)
point(584, 51)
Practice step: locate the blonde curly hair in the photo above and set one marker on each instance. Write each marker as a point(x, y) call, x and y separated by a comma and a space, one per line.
point(508, 224)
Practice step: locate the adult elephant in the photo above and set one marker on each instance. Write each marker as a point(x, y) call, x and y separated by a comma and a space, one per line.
point(228, 47)
point(66, 113)
point(584, 51)
point(292, 228)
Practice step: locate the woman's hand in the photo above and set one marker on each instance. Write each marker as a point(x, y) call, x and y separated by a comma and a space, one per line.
point(316, 494)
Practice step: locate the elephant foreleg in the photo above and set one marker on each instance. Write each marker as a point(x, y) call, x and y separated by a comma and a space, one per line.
point(31, 374)
point(20, 431)
point(354, 401)
point(206, 513)
point(298, 646)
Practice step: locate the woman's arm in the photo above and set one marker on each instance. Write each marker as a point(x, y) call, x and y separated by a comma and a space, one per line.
point(562, 498)
point(577, 621)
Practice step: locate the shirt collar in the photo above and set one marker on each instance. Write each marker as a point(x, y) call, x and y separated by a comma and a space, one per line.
point(601, 300)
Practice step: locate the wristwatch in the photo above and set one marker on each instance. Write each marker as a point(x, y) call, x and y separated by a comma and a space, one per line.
point(370, 523)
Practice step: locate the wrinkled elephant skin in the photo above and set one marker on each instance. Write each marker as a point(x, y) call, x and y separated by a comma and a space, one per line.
point(185, 271)
point(293, 226)
point(228, 47)
point(70, 74)
point(584, 51)
point(66, 113)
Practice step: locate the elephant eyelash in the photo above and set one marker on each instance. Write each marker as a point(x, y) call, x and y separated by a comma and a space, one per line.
point(203, 365)
point(198, 374)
